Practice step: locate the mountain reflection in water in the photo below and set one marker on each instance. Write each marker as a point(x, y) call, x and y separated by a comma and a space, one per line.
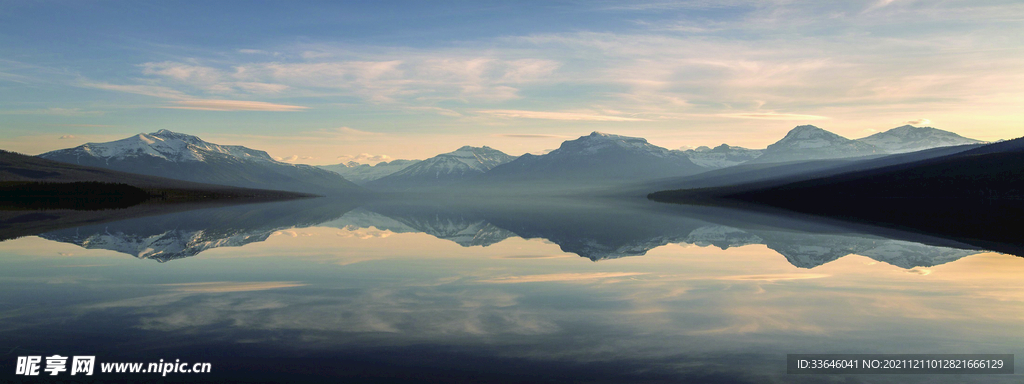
point(593, 229)
point(317, 290)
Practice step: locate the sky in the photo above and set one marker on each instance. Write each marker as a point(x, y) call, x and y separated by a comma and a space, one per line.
point(328, 82)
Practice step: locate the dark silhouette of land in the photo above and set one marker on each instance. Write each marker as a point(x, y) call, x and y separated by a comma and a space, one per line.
point(23, 177)
point(976, 196)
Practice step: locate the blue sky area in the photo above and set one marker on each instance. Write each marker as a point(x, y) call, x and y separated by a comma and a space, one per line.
point(323, 82)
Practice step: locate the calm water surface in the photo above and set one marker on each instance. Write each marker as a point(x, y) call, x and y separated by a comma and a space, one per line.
point(541, 291)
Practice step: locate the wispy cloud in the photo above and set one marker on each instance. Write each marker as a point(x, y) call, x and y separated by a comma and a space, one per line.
point(54, 111)
point(776, 277)
point(294, 158)
point(364, 158)
point(86, 125)
point(353, 131)
point(532, 136)
point(569, 116)
point(234, 105)
point(918, 122)
point(222, 286)
point(773, 116)
point(879, 4)
point(146, 90)
point(558, 277)
point(64, 137)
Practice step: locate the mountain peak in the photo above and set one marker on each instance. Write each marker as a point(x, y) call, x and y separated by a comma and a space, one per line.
point(185, 157)
point(809, 132)
point(908, 138)
point(608, 136)
point(807, 142)
point(804, 129)
point(167, 134)
point(469, 150)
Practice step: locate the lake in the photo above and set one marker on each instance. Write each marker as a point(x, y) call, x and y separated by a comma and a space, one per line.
point(619, 291)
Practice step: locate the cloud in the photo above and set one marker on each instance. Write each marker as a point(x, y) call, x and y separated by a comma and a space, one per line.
point(354, 132)
point(773, 116)
point(533, 136)
point(67, 137)
point(920, 271)
point(147, 90)
point(210, 79)
point(54, 112)
point(775, 277)
point(256, 52)
point(918, 122)
point(529, 257)
point(365, 158)
point(879, 4)
point(570, 116)
point(439, 111)
point(294, 158)
point(234, 105)
point(558, 277)
point(223, 286)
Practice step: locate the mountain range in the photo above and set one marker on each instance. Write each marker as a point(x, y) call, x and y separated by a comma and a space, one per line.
point(972, 194)
point(444, 169)
point(807, 142)
point(365, 173)
point(909, 138)
point(722, 156)
point(595, 161)
point(186, 157)
point(592, 229)
point(598, 159)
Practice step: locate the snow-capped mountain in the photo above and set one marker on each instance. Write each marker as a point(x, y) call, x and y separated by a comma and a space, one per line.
point(444, 169)
point(909, 138)
point(721, 156)
point(365, 173)
point(596, 159)
point(186, 157)
point(164, 246)
point(807, 250)
point(722, 237)
point(185, 234)
point(807, 142)
point(464, 230)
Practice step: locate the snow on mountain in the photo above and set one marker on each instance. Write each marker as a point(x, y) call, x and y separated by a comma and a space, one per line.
point(186, 157)
point(464, 230)
point(444, 169)
point(365, 173)
point(721, 156)
point(167, 145)
point(807, 142)
point(722, 237)
point(165, 246)
point(909, 138)
point(598, 158)
point(184, 234)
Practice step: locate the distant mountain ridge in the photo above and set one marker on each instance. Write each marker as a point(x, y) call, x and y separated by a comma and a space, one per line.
point(807, 142)
point(365, 173)
point(721, 156)
point(595, 159)
point(909, 138)
point(185, 157)
point(444, 169)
